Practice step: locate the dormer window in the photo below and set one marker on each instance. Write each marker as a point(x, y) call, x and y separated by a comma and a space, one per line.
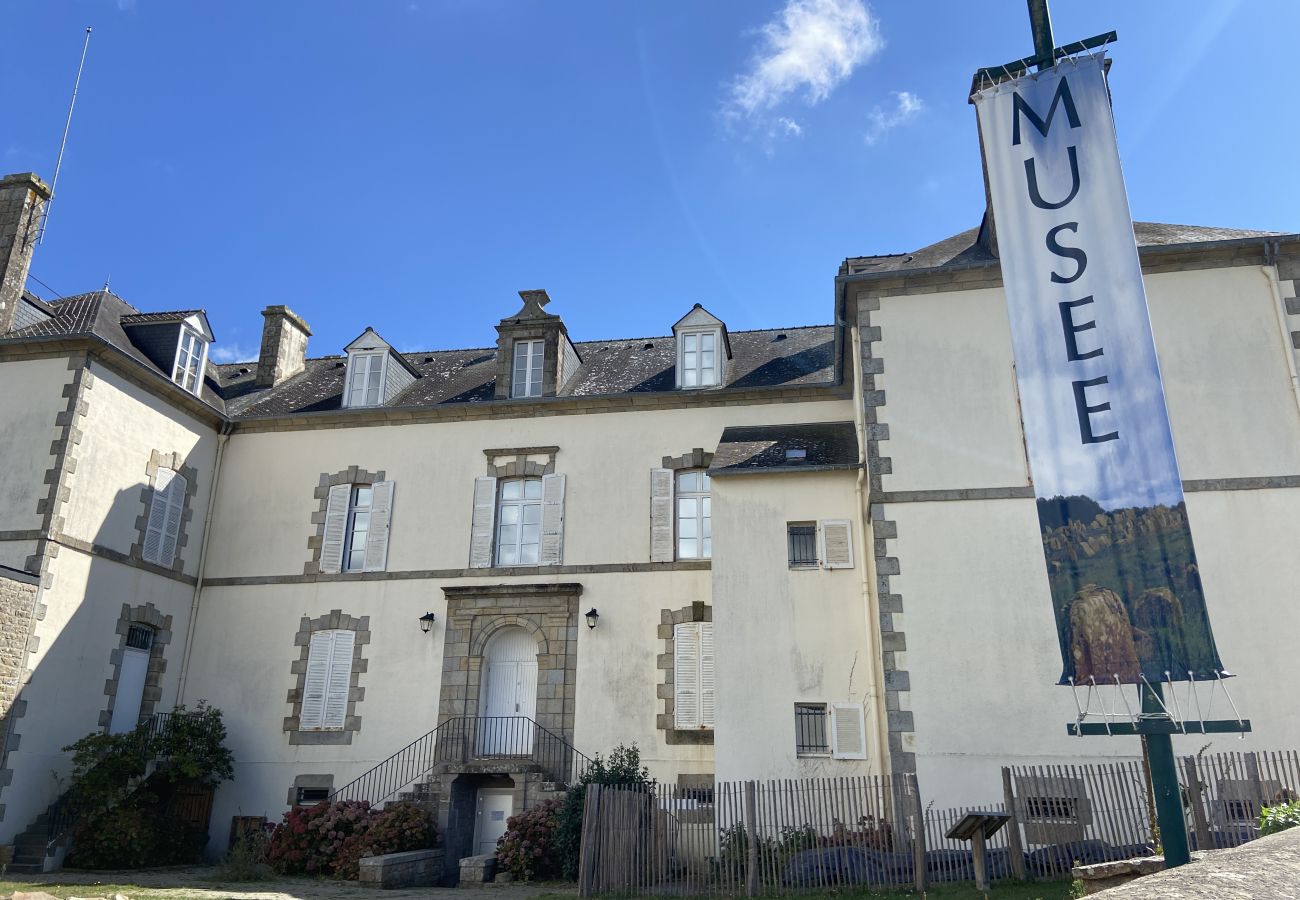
point(699, 359)
point(702, 350)
point(191, 355)
point(527, 380)
point(376, 373)
point(365, 379)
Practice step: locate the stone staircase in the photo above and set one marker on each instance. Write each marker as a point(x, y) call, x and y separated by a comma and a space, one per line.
point(34, 850)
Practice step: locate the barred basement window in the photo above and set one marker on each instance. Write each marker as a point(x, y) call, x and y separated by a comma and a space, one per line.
point(801, 538)
point(810, 730)
point(1052, 808)
point(307, 796)
point(139, 637)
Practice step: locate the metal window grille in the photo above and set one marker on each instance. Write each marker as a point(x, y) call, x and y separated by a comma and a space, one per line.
point(1051, 807)
point(810, 729)
point(802, 541)
point(139, 637)
point(308, 795)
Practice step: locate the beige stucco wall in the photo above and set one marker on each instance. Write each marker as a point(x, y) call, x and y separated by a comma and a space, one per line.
point(31, 398)
point(785, 636)
point(982, 649)
point(607, 458)
point(122, 426)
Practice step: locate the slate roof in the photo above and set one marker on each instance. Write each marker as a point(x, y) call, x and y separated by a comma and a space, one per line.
point(102, 314)
point(964, 249)
point(763, 448)
point(774, 357)
point(159, 318)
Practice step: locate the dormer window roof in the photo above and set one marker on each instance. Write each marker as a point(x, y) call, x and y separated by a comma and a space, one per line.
point(177, 342)
point(703, 349)
point(376, 373)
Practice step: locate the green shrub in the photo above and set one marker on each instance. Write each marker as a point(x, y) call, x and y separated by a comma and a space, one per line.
point(526, 849)
point(246, 860)
point(622, 767)
point(332, 838)
point(1273, 819)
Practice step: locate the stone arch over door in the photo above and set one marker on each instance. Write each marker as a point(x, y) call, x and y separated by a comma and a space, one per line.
point(547, 612)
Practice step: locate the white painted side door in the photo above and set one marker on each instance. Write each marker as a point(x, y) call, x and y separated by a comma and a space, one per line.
point(130, 690)
point(494, 807)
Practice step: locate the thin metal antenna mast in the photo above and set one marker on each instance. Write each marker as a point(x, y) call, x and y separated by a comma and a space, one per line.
point(40, 238)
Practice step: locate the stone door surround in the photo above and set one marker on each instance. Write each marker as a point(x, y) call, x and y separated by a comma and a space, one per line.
point(549, 612)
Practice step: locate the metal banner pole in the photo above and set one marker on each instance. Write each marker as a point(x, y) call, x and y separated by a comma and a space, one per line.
point(1164, 783)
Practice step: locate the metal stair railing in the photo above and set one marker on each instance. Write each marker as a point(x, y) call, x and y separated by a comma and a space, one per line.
point(492, 741)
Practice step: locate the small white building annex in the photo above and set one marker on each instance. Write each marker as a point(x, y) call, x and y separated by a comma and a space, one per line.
point(754, 554)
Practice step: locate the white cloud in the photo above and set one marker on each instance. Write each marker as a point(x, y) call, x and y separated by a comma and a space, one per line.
point(810, 47)
point(789, 127)
point(126, 5)
point(228, 353)
point(906, 107)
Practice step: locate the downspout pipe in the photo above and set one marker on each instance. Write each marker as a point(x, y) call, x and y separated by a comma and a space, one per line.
point(222, 437)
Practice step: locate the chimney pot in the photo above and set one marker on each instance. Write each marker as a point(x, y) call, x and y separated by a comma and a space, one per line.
point(284, 346)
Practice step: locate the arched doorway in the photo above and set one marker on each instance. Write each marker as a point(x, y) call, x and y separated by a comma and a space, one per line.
point(508, 698)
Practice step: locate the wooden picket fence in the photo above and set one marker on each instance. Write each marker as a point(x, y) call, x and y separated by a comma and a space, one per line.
point(764, 837)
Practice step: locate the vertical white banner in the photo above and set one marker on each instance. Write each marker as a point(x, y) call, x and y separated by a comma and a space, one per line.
point(1119, 553)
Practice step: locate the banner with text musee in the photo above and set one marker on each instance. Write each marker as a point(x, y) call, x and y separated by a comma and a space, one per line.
point(1124, 581)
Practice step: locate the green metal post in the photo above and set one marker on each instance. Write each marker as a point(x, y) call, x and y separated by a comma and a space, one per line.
point(1164, 784)
point(1040, 20)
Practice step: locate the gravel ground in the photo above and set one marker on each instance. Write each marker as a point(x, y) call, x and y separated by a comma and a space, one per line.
point(200, 883)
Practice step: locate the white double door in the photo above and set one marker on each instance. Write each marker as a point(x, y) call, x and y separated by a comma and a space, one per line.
point(509, 700)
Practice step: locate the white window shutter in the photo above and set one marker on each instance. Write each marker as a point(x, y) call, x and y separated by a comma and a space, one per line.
point(706, 674)
point(316, 684)
point(552, 549)
point(848, 731)
point(480, 535)
point(836, 543)
point(157, 524)
point(661, 515)
point(381, 515)
point(336, 526)
point(686, 675)
point(175, 501)
point(340, 679)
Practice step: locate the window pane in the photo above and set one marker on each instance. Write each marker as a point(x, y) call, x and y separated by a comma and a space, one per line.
point(706, 343)
point(706, 551)
point(510, 515)
point(690, 378)
point(357, 558)
point(533, 489)
point(511, 490)
point(528, 554)
point(690, 360)
point(706, 359)
point(361, 522)
point(532, 514)
point(802, 540)
point(686, 548)
point(508, 555)
point(688, 481)
point(690, 342)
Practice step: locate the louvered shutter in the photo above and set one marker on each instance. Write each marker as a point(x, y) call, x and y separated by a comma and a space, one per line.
point(848, 731)
point(686, 675)
point(157, 524)
point(706, 674)
point(837, 543)
point(316, 684)
point(381, 515)
point(480, 534)
point(552, 550)
point(339, 682)
point(661, 515)
point(175, 501)
point(336, 527)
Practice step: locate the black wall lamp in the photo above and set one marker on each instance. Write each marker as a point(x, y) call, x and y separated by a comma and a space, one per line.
point(426, 622)
point(592, 617)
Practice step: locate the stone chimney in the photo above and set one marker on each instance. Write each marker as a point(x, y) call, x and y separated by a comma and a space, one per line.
point(284, 346)
point(22, 199)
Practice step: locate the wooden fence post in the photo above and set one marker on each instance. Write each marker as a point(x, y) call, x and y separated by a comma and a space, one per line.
point(590, 838)
point(1256, 783)
point(751, 831)
point(918, 833)
point(1196, 796)
point(1015, 848)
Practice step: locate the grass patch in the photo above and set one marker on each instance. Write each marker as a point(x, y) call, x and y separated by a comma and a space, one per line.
point(1000, 890)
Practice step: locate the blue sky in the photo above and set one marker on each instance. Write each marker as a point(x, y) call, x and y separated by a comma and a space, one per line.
point(411, 164)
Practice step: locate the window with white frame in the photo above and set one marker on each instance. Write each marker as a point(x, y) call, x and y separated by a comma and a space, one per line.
point(810, 732)
point(328, 682)
point(519, 522)
point(163, 527)
point(698, 359)
point(191, 354)
point(693, 675)
point(365, 379)
point(527, 380)
point(694, 526)
point(354, 554)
